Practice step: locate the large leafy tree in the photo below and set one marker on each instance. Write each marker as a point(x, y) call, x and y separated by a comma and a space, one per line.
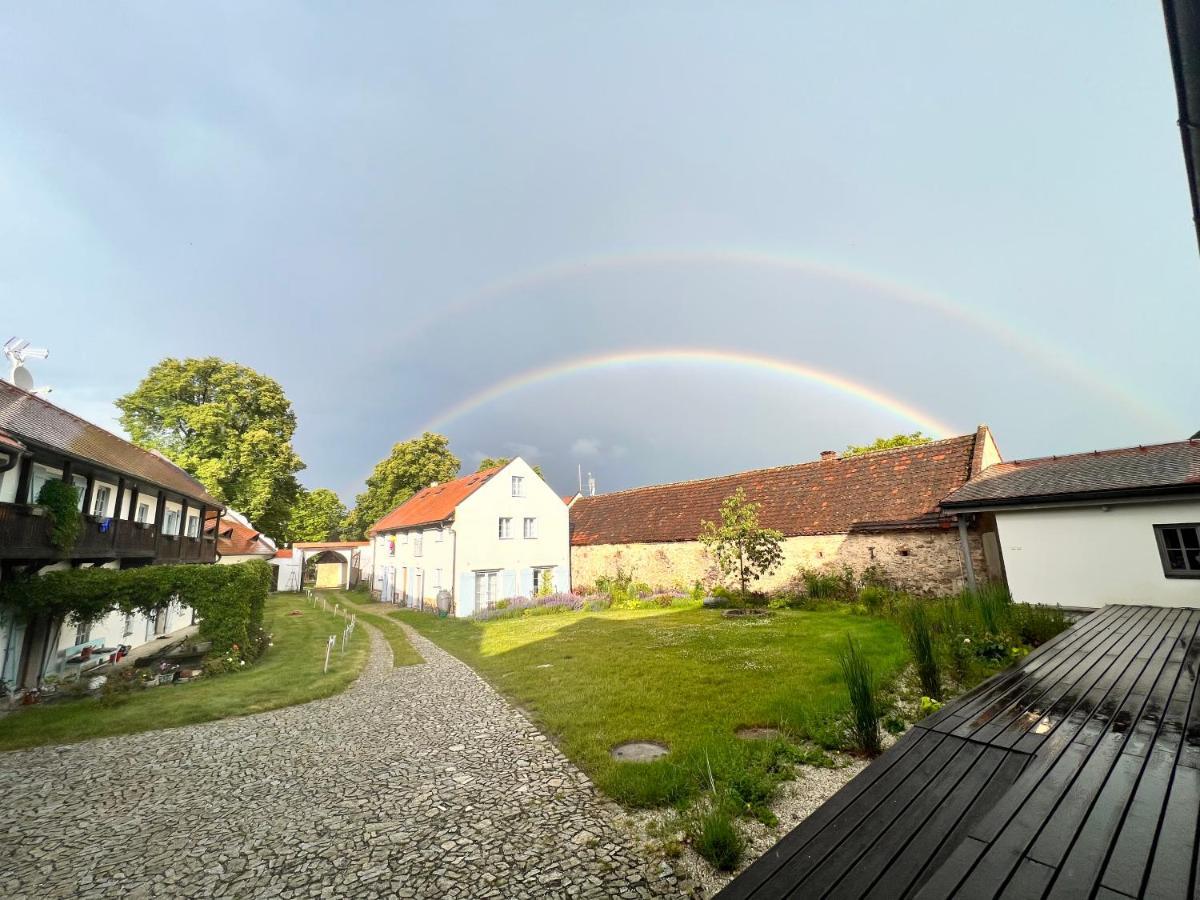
point(916, 439)
point(228, 426)
point(739, 544)
point(316, 516)
point(492, 462)
point(411, 465)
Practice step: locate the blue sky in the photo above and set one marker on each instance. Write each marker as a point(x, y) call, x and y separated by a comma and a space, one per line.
point(979, 211)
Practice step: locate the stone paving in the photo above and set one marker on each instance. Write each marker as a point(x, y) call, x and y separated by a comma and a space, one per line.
point(416, 782)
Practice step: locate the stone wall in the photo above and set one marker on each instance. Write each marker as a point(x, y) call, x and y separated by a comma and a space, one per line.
point(923, 562)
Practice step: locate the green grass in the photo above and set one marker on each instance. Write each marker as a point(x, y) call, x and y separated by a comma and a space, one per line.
point(288, 673)
point(686, 677)
point(403, 652)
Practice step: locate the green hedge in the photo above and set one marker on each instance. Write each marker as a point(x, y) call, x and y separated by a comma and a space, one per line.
point(228, 600)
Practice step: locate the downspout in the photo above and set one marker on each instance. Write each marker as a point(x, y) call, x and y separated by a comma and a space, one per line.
point(454, 573)
point(965, 545)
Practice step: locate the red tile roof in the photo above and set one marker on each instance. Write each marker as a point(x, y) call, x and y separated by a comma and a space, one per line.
point(8, 442)
point(891, 488)
point(433, 504)
point(1157, 469)
point(283, 554)
point(235, 539)
point(329, 545)
point(39, 422)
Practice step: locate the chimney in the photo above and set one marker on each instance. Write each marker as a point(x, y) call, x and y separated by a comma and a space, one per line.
point(827, 455)
point(591, 485)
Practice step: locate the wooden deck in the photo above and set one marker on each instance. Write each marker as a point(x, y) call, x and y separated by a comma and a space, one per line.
point(1074, 774)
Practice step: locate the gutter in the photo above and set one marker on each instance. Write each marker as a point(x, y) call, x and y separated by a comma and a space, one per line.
point(1080, 498)
point(1183, 37)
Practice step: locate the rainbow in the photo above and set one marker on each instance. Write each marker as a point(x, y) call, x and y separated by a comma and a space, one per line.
point(694, 357)
point(1050, 357)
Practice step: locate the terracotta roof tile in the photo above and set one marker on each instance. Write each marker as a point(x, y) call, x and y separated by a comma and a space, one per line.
point(892, 488)
point(235, 539)
point(329, 545)
point(283, 554)
point(433, 504)
point(39, 421)
point(1160, 468)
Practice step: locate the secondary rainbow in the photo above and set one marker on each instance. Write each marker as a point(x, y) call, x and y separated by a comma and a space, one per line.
point(684, 356)
point(1050, 357)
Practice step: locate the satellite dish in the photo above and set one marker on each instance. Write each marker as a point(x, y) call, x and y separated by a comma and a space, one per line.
point(21, 378)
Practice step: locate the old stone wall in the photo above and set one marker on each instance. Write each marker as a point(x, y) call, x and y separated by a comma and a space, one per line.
point(922, 562)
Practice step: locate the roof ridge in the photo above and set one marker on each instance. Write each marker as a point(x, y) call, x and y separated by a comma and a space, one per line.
point(1080, 454)
point(813, 462)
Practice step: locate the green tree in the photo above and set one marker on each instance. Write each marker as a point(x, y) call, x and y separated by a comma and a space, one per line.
point(916, 439)
point(226, 425)
point(410, 466)
point(739, 544)
point(316, 516)
point(492, 462)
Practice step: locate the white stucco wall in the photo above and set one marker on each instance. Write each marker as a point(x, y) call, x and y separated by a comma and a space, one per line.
point(412, 582)
point(479, 547)
point(1088, 557)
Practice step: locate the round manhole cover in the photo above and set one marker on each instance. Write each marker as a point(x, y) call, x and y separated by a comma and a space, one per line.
point(758, 734)
point(639, 751)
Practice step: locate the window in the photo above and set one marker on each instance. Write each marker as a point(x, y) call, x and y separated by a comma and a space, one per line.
point(128, 630)
point(83, 633)
point(485, 590)
point(171, 526)
point(143, 513)
point(100, 501)
point(39, 477)
point(439, 535)
point(543, 579)
point(193, 526)
point(437, 581)
point(505, 528)
point(1179, 547)
point(530, 528)
point(391, 545)
point(80, 484)
point(418, 544)
point(404, 537)
point(518, 486)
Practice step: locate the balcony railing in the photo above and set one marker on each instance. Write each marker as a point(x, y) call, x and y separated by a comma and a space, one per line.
point(25, 533)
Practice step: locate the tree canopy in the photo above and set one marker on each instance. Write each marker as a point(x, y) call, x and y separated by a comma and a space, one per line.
point(916, 439)
point(739, 544)
point(317, 515)
point(412, 465)
point(492, 462)
point(228, 426)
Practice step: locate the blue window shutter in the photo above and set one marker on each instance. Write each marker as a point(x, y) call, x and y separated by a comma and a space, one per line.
point(465, 601)
point(508, 581)
point(527, 582)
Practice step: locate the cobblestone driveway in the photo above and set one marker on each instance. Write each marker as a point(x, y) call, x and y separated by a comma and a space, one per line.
point(416, 782)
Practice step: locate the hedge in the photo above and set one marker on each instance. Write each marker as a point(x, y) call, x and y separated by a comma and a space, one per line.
point(228, 600)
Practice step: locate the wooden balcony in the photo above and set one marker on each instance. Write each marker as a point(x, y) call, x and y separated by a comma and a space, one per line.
point(26, 535)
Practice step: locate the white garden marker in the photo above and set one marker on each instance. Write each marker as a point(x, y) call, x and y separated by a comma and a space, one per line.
point(329, 649)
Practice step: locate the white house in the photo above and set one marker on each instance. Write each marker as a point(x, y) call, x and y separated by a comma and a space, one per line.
point(1086, 530)
point(488, 536)
point(239, 541)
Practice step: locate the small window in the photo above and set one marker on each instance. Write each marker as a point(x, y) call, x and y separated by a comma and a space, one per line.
point(1179, 547)
point(530, 528)
point(543, 580)
point(404, 537)
point(80, 484)
point(100, 503)
point(437, 581)
point(518, 486)
point(143, 512)
point(193, 526)
point(418, 544)
point(171, 526)
point(83, 633)
point(505, 528)
point(128, 629)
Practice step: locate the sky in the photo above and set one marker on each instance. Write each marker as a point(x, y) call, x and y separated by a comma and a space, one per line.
point(650, 241)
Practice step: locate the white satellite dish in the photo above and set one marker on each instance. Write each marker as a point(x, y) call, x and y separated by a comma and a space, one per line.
point(21, 378)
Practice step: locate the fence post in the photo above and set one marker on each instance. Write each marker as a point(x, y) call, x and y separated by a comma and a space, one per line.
point(328, 650)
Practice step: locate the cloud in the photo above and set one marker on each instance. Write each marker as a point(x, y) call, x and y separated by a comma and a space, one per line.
point(585, 447)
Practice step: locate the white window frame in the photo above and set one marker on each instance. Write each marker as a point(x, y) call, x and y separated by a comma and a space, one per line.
point(538, 572)
point(100, 501)
point(404, 538)
point(193, 526)
point(504, 528)
point(487, 586)
point(39, 476)
point(142, 513)
point(171, 523)
point(80, 484)
point(518, 485)
point(437, 581)
point(529, 528)
point(418, 544)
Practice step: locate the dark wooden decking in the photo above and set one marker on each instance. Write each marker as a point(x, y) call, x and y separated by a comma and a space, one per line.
point(1074, 774)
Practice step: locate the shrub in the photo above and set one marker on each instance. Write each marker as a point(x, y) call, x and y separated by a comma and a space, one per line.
point(859, 676)
point(991, 604)
point(918, 631)
point(1034, 625)
point(822, 586)
point(62, 501)
point(875, 598)
point(927, 706)
point(716, 838)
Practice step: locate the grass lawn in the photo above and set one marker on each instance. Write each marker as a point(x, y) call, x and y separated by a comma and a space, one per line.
point(685, 677)
point(289, 673)
point(375, 614)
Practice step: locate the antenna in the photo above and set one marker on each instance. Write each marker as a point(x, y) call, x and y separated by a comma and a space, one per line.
point(18, 350)
point(591, 485)
point(580, 467)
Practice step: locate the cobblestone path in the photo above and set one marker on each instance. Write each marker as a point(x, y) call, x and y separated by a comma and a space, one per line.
point(415, 782)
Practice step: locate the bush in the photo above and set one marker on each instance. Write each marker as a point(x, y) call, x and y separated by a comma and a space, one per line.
point(864, 701)
point(918, 631)
point(62, 501)
point(1035, 625)
point(822, 586)
point(716, 838)
point(875, 598)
